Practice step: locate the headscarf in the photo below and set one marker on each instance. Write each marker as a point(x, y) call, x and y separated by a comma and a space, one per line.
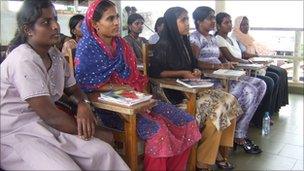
point(252, 47)
point(245, 39)
point(173, 50)
point(95, 65)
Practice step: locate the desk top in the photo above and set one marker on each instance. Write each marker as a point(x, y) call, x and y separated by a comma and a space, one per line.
point(170, 83)
point(210, 74)
point(262, 60)
point(128, 110)
point(251, 66)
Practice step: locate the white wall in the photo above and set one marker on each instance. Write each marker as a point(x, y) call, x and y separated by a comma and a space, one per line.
point(9, 23)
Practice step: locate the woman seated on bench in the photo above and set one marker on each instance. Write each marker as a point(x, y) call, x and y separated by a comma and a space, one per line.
point(105, 61)
point(217, 110)
point(35, 135)
point(249, 91)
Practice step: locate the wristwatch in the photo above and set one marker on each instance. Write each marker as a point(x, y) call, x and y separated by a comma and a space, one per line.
point(89, 103)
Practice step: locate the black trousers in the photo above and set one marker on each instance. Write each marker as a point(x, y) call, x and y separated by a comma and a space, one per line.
point(269, 100)
point(282, 96)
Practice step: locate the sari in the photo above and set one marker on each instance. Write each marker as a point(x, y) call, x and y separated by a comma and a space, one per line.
point(167, 130)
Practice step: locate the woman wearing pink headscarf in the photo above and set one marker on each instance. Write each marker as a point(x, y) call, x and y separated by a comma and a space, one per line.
point(250, 48)
point(240, 33)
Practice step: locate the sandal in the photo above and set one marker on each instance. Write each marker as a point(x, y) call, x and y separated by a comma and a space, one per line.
point(224, 164)
point(249, 147)
point(254, 146)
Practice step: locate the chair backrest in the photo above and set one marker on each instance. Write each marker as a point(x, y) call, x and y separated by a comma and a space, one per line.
point(147, 51)
point(70, 59)
point(153, 86)
point(3, 51)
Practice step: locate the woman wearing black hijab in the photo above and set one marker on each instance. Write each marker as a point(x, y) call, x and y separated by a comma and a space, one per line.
point(217, 110)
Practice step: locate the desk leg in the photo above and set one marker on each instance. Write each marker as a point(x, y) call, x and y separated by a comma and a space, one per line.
point(191, 108)
point(191, 105)
point(131, 142)
point(226, 85)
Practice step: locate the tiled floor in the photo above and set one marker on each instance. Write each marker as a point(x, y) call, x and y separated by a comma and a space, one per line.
point(283, 147)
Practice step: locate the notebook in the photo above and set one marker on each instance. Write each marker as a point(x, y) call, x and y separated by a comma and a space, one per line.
point(124, 97)
point(195, 83)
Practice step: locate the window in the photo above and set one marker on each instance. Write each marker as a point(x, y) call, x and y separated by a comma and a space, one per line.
point(273, 14)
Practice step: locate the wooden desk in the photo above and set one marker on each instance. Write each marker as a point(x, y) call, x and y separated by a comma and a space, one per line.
point(191, 93)
point(251, 67)
point(224, 79)
point(262, 60)
point(170, 83)
point(129, 115)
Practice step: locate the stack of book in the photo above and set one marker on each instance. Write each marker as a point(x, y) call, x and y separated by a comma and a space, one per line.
point(124, 97)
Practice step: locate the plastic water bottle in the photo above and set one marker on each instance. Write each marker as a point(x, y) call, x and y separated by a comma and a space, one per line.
point(266, 124)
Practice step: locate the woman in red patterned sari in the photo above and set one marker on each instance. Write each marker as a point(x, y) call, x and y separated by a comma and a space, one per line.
point(105, 61)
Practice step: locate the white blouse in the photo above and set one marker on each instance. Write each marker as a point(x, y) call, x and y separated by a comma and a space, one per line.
point(233, 48)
